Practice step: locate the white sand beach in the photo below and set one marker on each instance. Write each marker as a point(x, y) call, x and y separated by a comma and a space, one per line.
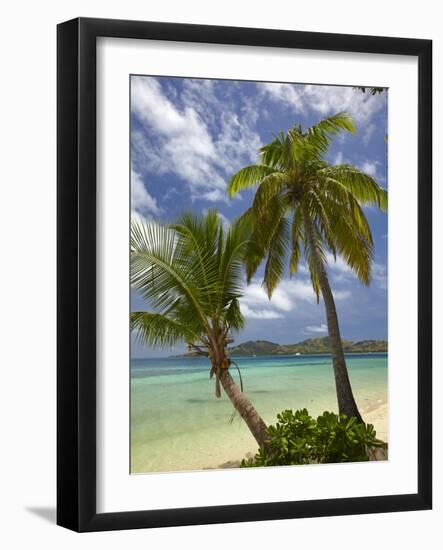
point(378, 416)
point(177, 424)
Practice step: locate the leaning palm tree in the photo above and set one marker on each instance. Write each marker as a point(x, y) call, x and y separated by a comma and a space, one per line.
point(304, 203)
point(191, 272)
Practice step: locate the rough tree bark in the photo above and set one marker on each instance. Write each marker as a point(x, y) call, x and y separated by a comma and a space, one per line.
point(245, 408)
point(345, 397)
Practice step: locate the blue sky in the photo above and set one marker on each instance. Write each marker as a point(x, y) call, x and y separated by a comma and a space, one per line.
point(188, 136)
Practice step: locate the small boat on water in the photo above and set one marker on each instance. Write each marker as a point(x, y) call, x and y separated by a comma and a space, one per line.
point(298, 353)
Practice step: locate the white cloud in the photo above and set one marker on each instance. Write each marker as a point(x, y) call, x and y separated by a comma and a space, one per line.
point(254, 295)
point(152, 106)
point(290, 94)
point(341, 271)
point(264, 314)
point(215, 195)
point(200, 95)
point(184, 144)
point(341, 295)
point(317, 328)
point(338, 158)
point(293, 299)
point(368, 132)
point(380, 276)
point(302, 269)
point(285, 299)
point(299, 289)
point(338, 264)
point(237, 142)
point(255, 303)
point(141, 201)
point(327, 100)
point(331, 99)
point(370, 167)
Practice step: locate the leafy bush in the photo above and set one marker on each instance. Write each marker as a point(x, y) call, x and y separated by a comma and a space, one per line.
point(297, 438)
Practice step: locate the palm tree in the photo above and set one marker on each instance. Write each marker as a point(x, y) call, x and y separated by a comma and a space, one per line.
point(302, 202)
point(192, 272)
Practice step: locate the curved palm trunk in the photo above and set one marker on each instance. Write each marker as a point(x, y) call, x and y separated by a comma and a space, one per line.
point(345, 397)
point(245, 408)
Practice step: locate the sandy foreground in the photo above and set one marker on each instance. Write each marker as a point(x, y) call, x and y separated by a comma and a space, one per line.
point(226, 452)
point(376, 415)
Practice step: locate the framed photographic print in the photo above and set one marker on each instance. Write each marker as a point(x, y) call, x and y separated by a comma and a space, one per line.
point(244, 274)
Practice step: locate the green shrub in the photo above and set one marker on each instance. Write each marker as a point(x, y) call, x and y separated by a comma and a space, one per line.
point(297, 438)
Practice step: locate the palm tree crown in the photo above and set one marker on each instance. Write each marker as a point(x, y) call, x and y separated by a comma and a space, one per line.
point(191, 273)
point(302, 202)
point(293, 178)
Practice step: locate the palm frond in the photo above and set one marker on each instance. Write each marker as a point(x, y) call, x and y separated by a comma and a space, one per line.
point(352, 244)
point(231, 262)
point(335, 124)
point(344, 228)
point(363, 186)
point(297, 237)
point(276, 255)
point(271, 154)
point(269, 187)
point(249, 176)
point(311, 255)
point(159, 330)
point(233, 315)
point(160, 271)
point(191, 273)
point(255, 249)
point(317, 139)
point(197, 240)
point(294, 175)
point(268, 239)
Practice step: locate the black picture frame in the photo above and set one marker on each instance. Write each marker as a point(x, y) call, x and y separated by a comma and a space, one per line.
point(76, 280)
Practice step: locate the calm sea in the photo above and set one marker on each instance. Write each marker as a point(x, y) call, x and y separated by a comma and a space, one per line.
point(177, 423)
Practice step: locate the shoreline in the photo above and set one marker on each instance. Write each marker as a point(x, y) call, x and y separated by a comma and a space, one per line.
point(259, 355)
point(231, 455)
point(377, 415)
point(178, 425)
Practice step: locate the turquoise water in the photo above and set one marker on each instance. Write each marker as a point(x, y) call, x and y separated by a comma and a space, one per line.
point(177, 423)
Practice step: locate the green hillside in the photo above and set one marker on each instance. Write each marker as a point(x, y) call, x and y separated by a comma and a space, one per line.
point(311, 345)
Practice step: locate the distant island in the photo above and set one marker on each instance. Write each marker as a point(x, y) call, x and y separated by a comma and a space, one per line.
point(309, 346)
